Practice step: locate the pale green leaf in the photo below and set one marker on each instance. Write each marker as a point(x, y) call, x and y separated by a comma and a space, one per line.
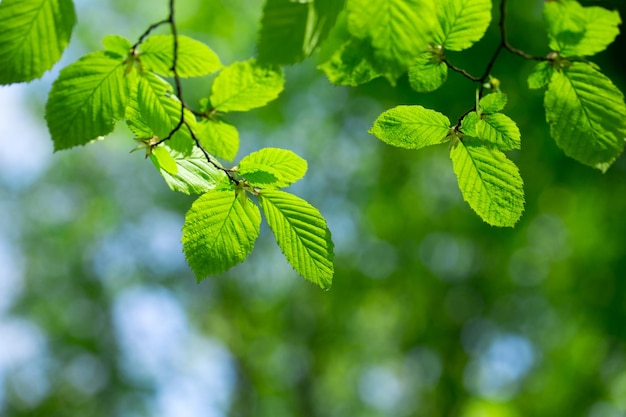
point(461, 22)
point(160, 109)
point(219, 138)
point(302, 235)
point(468, 124)
point(219, 232)
point(575, 30)
point(193, 175)
point(351, 64)
point(246, 85)
point(587, 115)
point(194, 58)
point(399, 30)
point(427, 73)
point(291, 31)
point(411, 127)
point(540, 76)
point(33, 36)
point(86, 100)
point(499, 131)
point(163, 160)
point(493, 102)
point(117, 45)
point(489, 182)
point(285, 166)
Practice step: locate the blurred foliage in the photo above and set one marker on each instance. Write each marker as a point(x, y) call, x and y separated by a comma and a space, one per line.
point(432, 312)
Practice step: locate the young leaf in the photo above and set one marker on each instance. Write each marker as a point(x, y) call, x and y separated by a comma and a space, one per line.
point(461, 22)
point(540, 77)
point(193, 174)
point(399, 30)
point(284, 168)
point(246, 85)
point(117, 45)
point(219, 232)
point(575, 30)
point(290, 31)
point(219, 138)
point(33, 35)
point(87, 99)
point(489, 182)
point(351, 64)
point(498, 130)
point(411, 127)
point(161, 111)
point(493, 102)
point(162, 159)
point(586, 114)
point(427, 73)
point(195, 59)
point(468, 124)
point(302, 235)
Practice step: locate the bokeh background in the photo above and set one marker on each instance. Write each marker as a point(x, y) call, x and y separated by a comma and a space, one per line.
point(432, 312)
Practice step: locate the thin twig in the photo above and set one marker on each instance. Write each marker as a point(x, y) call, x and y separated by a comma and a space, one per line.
point(171, 20)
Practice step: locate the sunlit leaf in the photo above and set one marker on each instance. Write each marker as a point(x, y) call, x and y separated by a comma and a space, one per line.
point(193, 174)
point(489, 182)
point(540, 76)
point(161, 112)
point(427, 73)
point(219, 138)
point(493, 102)
point(246, 85)
point(302, 234)
point(117, 45)
point(411, 127)
point(575, 30)
point(86, 100)
point(498, 130)
point(219, 232)
point(33, 35)
point(194, 58)
point(587, 115)
point(351, 65)
point(285, 166)
point(461, 22)
point(399, 30)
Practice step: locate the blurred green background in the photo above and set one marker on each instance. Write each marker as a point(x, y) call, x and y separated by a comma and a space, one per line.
point(432, 312)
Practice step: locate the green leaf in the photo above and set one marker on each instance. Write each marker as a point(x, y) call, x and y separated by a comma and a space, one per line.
point(351, 64)
point(498, 130)
point(87, 99)
point(291, 31)
point(468, 124)
point(586, 114)
point(160, 110)
point(461, 22)
point(193, 174)
point(493, 102)
point(540, 76)
point(33, 36)
point(219, 138)
point(284, 166)
point(117, 45)
point(575, 30)
point(219, 232)
point(411, 127)
point(399, 30)
point(194, 59)
point(164, 160)
point(302, 235)
point(489, 182)
point(428, 73)
point(246, 85)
